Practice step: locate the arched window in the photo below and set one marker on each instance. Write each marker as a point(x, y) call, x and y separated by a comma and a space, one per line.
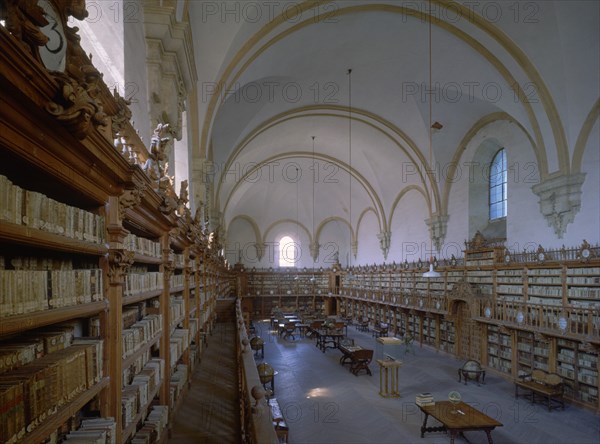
point(498, 179)
point(288, 253)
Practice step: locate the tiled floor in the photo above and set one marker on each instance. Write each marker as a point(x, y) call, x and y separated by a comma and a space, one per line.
point(324, 403)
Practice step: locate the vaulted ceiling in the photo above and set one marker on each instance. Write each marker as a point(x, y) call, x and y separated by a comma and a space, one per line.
point(274, 75)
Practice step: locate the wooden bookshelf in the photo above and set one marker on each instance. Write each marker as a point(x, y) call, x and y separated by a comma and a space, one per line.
point(526, 311)
point(70, 194)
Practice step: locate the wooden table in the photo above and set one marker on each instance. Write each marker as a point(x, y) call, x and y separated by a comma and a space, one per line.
point(388, 378)
point(328, 339)
point(302, 328)
point(465, 419)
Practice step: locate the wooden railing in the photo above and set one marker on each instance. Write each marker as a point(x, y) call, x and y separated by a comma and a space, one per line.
point(582, 323)
point(554, 255)
point(255, 415)
point(575, 322)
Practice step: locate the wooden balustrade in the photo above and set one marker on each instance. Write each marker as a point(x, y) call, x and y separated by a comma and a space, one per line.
point(255, 418)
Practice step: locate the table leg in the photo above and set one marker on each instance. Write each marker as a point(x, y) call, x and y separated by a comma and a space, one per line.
point(424, 426)
point(452, 436)
point(489, 436)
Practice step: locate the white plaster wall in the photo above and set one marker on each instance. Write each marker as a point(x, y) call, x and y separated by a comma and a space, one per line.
point(182, 153)
point(369, 251)
point(410, 235)
point(587, 221)
point(136, 81)
point(113, 33)
point(239, 241)
point(334, 237)
point(102, 36)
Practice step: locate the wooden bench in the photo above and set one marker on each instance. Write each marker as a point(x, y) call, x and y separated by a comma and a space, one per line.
point(281, 427)
point(548, 385)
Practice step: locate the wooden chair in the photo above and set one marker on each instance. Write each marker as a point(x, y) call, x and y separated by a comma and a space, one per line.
point(361, 360)
point(314, 327)
point(288, 330)
point(408, 344)
point(339, 326)
point(363, 325)
point(380, 329)
point(346, 357)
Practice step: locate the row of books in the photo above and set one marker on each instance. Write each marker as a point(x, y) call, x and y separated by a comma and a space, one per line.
point(193, 356)
point(176, 310)
point(28, 291)
point(179, 379)
point(179, 342)
point(135, 367)
point(36, 210)
point(31, 393)
point(139, 393)
point(154, 426)
point(131, 314)
point(140, 333)
point(178, 260)
point(194, 325)
point(177, 280)
point(142, 246)
point(33, 345)
point(94, 431)
point(136, 283)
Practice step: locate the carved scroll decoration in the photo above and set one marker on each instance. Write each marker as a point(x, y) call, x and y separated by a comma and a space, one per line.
point(24, 18)
point(129, 199)
point(119, 263)
point(76, 106)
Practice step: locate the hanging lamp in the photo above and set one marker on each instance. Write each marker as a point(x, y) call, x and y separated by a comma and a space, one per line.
point(350, 275)
point(312, 278)
point(431, 273)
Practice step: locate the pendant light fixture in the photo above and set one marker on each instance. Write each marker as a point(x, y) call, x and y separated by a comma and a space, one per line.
point(297, 250)
point(314, 255)
point(431, 273)
point(350, 275)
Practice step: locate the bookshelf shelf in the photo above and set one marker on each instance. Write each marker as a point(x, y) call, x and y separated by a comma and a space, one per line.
point(20, 323)
point(178, 289)
point(128, 300)
point(144, 259)
point(33, 237)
